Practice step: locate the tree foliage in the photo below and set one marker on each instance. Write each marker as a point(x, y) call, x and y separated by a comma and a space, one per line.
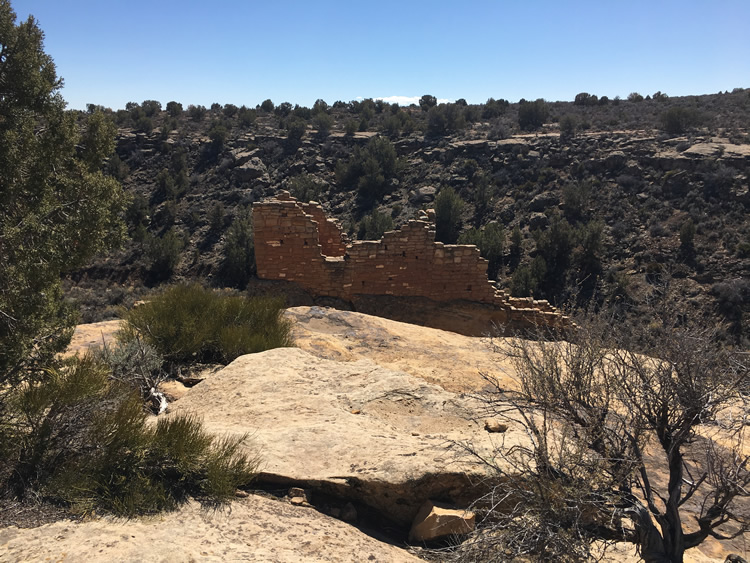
point(532, 115)
point(448, 209)
point(490, 240)
point(374, 225)
point(238, 263)
point(57, 208)
point(372, 170)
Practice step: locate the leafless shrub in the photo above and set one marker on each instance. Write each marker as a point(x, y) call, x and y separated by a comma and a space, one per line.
point(631, 435)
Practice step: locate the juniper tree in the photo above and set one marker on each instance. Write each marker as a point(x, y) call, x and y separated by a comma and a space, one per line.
point(57, 208)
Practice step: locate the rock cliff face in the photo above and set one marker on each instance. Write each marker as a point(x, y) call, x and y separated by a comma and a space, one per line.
point(296, 242)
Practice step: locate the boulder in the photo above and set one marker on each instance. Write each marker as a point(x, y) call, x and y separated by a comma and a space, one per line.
point(241, 156)
point(615, 160)
point(543, 201)
point(495, 426)
point(538, 221)
point(425, 194)
point(250, 170)
point(435, 521)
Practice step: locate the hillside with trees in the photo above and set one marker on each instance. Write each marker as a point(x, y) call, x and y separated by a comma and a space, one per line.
point(597, 197)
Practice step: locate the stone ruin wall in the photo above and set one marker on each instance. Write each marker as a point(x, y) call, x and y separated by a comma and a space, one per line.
point(296, 242)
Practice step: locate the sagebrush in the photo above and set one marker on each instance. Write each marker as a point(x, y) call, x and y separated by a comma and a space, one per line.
point(189, 323)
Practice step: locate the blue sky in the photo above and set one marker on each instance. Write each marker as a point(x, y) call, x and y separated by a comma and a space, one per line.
point(110, 52)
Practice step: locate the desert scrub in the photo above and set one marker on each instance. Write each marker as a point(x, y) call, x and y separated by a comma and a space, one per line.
point(138, 365)
point(81, 439)
point(189, 323)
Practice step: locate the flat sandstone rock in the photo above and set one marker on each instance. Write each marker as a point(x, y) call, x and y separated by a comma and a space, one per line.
point(355, 429)
point(252, 529)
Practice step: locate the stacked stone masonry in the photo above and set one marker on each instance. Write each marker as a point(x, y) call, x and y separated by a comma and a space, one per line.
point(296, 242)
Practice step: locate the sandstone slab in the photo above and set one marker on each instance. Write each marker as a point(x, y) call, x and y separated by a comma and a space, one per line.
point(351, 429)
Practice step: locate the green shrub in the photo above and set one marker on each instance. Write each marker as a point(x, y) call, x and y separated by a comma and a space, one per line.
point(677, 120)
point(151, 107)
point(216, 217)
point(188, 323)
point(323, 123)
point(576, 199)
point(296, 129)
point(427, 101)
point(174, 109)
point(246, 116)
point(196, 113)
point(445, 118)
point(230, 110)
point(374, 225)
point(491, 243)
point(144, 124)
point(238, 261)
point(137, 212)
point(494, 108)
point(586, 99)
point(371, 170)
point(218, 135)
point(163, 253)
point(532, 115)
point(82, 440)
point(484, 192)
point(568, 124)
point(305, 187)
point(448, 209)
point(170, 187)
point(350, 127)
point(516, 247)
point(635, 97)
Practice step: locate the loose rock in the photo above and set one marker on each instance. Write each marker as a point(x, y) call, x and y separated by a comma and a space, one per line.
point(434, 521)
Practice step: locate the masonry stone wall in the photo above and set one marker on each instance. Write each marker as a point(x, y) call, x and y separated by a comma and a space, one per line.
point(296, 242)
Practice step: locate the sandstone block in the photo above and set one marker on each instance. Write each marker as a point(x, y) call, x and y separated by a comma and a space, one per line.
point(435, 521)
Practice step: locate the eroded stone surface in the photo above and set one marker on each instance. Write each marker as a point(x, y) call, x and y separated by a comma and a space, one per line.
point(352, 429)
